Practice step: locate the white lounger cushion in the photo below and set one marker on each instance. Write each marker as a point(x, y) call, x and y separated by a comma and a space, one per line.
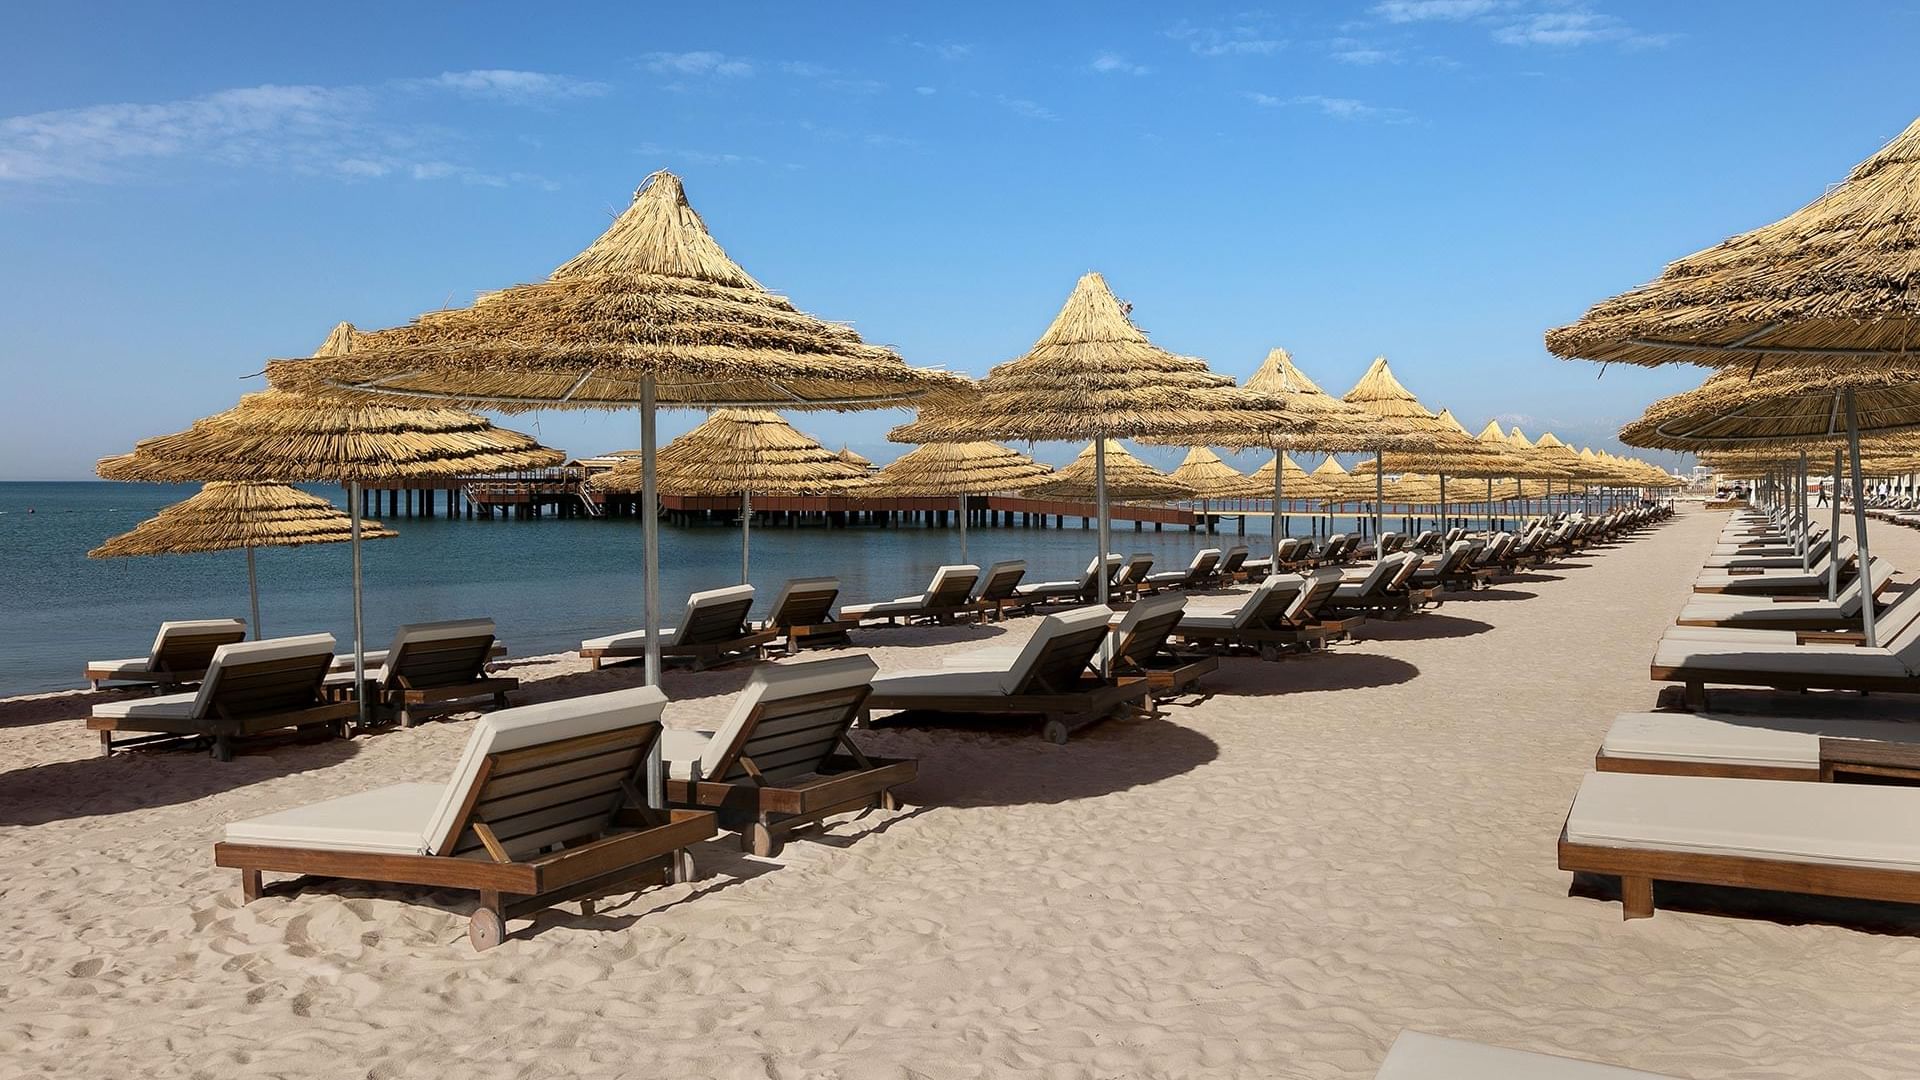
point(632, 639)
point(141, 664)
point(1724, 739)
point(1857, 825)
point(910, 605)
point(1004, 566)
point(985, 682)
point(805, 586)
point(133, 665)
point(768, 683)
point(1418, 1056)
point(167, 707)
point(1836, 660)
point(256, 652)
point(960, 675)
point(1731, 636)
point(387, 821)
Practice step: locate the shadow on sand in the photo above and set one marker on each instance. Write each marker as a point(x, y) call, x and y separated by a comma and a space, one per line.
point(969, 761)
point(1787, 909)
point(1425, 627)
point(138, 779)
point(1330, 670)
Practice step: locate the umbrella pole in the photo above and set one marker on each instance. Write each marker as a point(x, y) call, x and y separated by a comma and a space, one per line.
point(1833, 535)
point(1489, 507)
point(359, 636)
point(963, 528)
point(1443, 507)
point(253, 593)
point(650, 559)
point(1100, 507)
point(1859, 524)
point(1800, 504)
point(746, 532)
point(1279, 492)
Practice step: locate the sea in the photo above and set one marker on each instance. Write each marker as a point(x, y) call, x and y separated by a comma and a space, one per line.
point(547, 583)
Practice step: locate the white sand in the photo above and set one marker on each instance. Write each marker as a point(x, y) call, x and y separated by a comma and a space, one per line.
point(1272, 883)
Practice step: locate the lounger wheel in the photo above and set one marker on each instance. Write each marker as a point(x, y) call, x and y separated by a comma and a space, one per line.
point(485, 930)
point(682, 869)
point(758, 839)
point(1055, 732)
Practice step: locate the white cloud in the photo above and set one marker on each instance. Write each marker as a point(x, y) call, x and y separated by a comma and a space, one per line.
point(1108, 63)
point(1340, 108)
point(700, 63)
point(1406, 11)
point(699, 157)
point(501, 84)
point(1032, 110)
point(1245, 36)
point(1362, 55)
point(925, 91)
point(1572, 27)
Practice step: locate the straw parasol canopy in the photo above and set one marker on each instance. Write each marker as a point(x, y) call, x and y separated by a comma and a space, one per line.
point(1832, 281)
point(1211, 478)
point(1127, 478)
point(1784, 404)
point(654, 298)
point(956, 469)
point(225, 516)
point(735, 451)
point(852, 457)
point(1315, 420)
point(1382, 394)
point(1296, 483)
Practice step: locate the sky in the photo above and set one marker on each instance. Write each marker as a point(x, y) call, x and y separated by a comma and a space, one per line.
point(189, 190)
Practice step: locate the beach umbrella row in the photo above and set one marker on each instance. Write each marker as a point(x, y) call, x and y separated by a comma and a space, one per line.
point(957, 470)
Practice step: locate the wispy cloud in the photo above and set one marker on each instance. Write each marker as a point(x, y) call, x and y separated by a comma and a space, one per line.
point(1340, 108)
point(1407, 11)
point(945, 50)
point(698, 157)
point(700, 63)
point(1245, 35)
point(830, 79)
point(1360, 53)
point(1571, 27)
point(344, 131)
point(1032, 110)
point(925, 91)
point(1108, 63)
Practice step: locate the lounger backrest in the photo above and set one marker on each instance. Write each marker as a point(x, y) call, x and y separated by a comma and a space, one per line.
point(1455, 533)
point(1134, 570)
point(1230, 562)
point(804, 601)
point(1409, 564)
point(952, 586)
point(1456, 557)
point(1321, 585)
point(1292, 548)
point(188, 644)
point(1389, 543)
point(714, 616)
point(1143, 631)
point(1341, 547)
point(551, 773)
point(1057, 652)
point(789, 719)
point(1268, 604)
point(1203, 562)
point(1377, 576)
point(257, 678)
point(1900, 616)
point(427, 655)
point(1001, 579)
point(1426, 539)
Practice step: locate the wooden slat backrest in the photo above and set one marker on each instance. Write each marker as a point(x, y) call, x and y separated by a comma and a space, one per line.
point(193, 651)
point(792, 736)
point(1231, 564)
point(708, 624)
point(806, 607)
point(1001, 585)
point(1147, 638)
point(560, 792)
point(1273, 605)
point(1061, 660)
point(1319, 591)
point(1398, 580)
point(424, 665)
point(954, 590)
point(1204, 568)
point(269, 686)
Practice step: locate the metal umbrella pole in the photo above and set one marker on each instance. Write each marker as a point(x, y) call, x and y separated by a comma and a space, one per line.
point(746, 532)
point(359, 635)
point(650, 539)
point(1100, 508)
point(253, 593)
point(963, 528)
point(1279, 492)
point(1859, 523)
point(1379, 495)
point(1833, 537)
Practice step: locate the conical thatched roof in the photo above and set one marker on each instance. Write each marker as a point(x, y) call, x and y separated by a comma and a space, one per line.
point(1127, 478)
point(1795, 405)
point(228, 517)
point(296, 438)
point(853, 457)
point(1296, 484)
point(1319, 421)
point(1559, 453)
point(1092, 374)
point(1835, 281)
point(1211, 478)
point(654, 296)
point(735, 451)
point(1380, 393)
point(937, 470)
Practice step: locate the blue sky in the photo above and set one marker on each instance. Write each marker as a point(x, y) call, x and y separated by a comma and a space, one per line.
point(187, 191)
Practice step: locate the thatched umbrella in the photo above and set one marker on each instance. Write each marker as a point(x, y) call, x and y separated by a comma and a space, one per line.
point(1296, 481)
point(297, 438)
point(1458, 455)
point(1094, 375)
point(957, 470)
point(853, 457)
point(1125, 477)
point(1383, 395)
point(225, 516)
point(651, 314)
point(739, 452)
point(1211, 478)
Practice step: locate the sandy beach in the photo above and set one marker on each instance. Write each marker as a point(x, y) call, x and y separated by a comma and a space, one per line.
point(1271, 882)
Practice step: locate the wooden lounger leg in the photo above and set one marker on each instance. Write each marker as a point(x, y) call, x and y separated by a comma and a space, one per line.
point(758, 839)
point(593, 663)
point(487, 926)
point(500, 700)
point(249, 886)
point(406, 714)
point(1694, 697)
point(1636, 898)
point(223, 748)
point(106, 744)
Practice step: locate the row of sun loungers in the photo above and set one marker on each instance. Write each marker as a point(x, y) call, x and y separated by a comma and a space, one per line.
point(1758, 800)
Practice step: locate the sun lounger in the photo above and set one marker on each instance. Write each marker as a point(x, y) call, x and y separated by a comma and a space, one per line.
point(179, 656)
point(949, 596)
point(1285, 611)
point(373, 658)
point(1197, 575)
point(998, 590)
point(1385, 590)
point(1694, 663)
point(1085, 590)
point(250, 688)
point(802, 613)
point(782, 758)
point(1232, 564)
point(545, 805)
point(713, 631)
point(1849, 840)
point(1455, 570)
point(1048, 678)
point(430, 664)
point(1132, 575)
point(1418, 1056)
point(1797, 613)
point(1754, 747)
point(1138, 647)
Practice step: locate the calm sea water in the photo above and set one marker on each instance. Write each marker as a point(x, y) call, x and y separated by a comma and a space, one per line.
point(546, 583)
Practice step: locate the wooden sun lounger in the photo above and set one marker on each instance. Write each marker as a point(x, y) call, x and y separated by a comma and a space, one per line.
point(1388, 595)
point(251, 688)
point(803, 615)
point(715, 631)
point(1197, 574)
point(1143, 651)
point(1844, 840)
point(431, 665)
point(1283, 612)
point(1047, 680)
point(1751, 747)
point(179, 656)
point(948, 598)
point(545, 807)
point(998, 591)
point(783, 759)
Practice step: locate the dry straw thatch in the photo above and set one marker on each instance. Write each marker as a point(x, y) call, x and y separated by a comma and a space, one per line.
point(853, 457)
point(1092, 374)
point(231, 516)
point(1296, 483)
point(1127, 478)
point(654, 296)
point(738, 451)
point(1790, 404)
point(1833, 281)
point(1379, 392)
point(1210, 478)
point(1316, 419)
point(941, 470)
